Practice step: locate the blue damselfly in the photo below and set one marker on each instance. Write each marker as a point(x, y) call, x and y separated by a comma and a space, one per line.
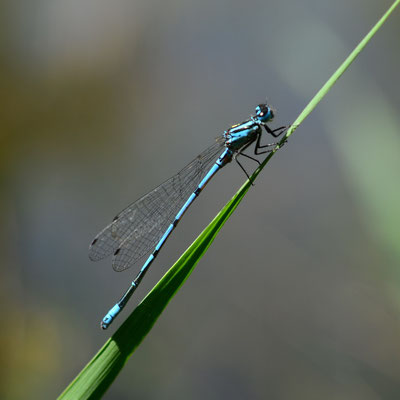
point(147, 223)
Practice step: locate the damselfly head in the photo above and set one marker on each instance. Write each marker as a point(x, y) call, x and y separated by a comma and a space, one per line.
point(264, 113)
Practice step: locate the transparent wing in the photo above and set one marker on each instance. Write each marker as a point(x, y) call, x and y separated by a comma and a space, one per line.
point(137, 229)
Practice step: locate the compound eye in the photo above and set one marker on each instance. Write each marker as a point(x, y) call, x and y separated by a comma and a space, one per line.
point(264, 113)
point(260, 111)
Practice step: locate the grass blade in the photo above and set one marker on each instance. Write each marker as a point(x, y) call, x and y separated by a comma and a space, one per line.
point(100, 372)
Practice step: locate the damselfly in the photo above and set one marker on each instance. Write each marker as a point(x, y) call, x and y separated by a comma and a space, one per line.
point(147, 223)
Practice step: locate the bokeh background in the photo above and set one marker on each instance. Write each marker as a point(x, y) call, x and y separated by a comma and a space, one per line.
point(298, 297)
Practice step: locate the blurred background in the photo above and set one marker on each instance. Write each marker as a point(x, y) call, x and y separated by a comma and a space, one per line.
point(298, 297)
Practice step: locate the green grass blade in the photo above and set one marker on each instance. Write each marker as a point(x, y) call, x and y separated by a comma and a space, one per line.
point(98, 375)
point(339, 72)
